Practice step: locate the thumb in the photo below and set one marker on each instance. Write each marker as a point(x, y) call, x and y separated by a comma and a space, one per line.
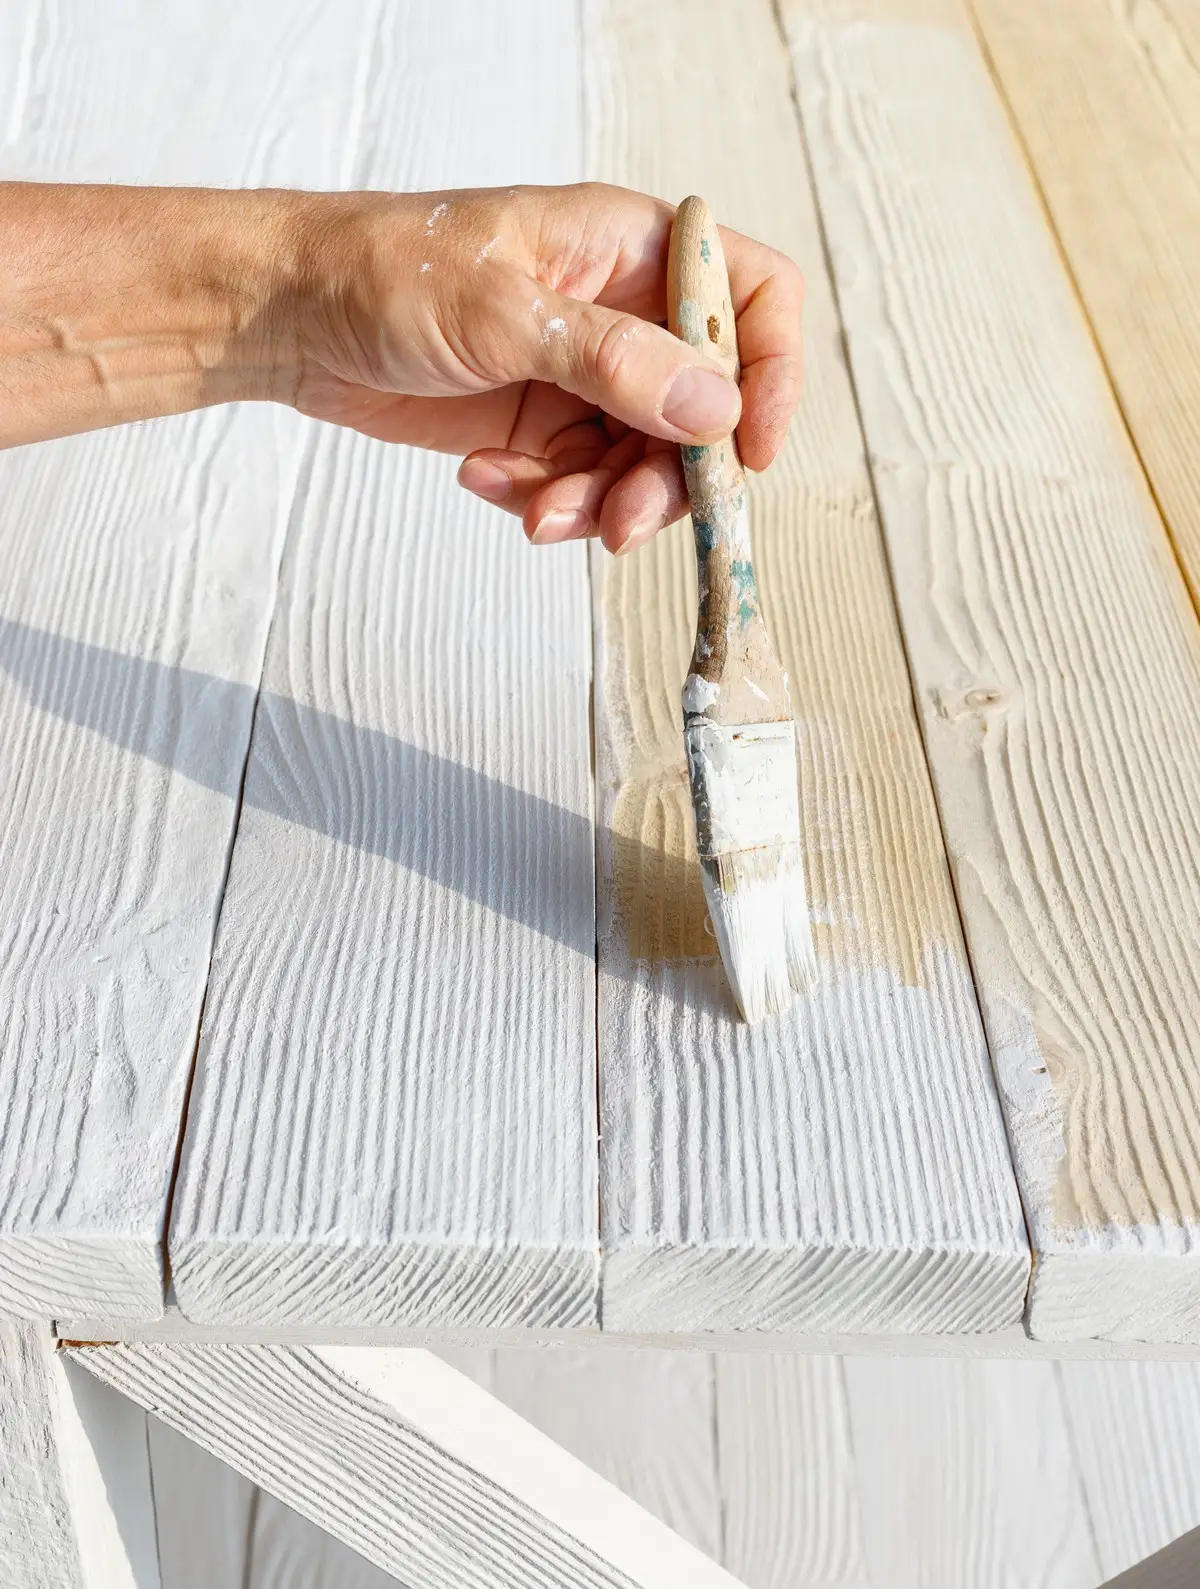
point(634, 370)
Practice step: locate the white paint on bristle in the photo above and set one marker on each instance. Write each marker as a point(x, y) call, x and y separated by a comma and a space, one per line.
point(748, 828)
point(759, 911)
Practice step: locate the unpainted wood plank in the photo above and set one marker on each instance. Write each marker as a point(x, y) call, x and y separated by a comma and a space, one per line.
point(1054, 649)
point(845, 1167)
point(788, 1482)
point(642, 1419)
point(1107, 102)
point(408, 1463)
point(139, 575)
point(394, 1113)
point(965, 1475)
point(75, 1501)
point(1135, 1428)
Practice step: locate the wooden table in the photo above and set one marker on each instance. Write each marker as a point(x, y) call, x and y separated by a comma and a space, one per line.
point(326, 943)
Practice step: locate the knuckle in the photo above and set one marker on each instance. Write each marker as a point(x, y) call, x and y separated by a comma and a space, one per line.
point(612, 346)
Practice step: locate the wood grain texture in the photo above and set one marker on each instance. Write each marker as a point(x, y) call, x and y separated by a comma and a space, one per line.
point(394, 1113)
point(1107, 102)
point(845, 1167)
point(75, 1499)
point(965, 1475)
point(1055, 652)
point(408, 1463)
point(788, 1480)
point(1135, 1430)
point(644, 1420)
point(139, 574)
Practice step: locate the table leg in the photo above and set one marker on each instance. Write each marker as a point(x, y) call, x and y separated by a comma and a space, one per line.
point(76, 1507)
point(407, 1462)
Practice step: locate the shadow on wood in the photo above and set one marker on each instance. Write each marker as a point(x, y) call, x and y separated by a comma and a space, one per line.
point(515, 852)
point(1176, 1566)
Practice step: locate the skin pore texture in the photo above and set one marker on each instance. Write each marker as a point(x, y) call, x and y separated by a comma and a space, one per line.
point(521, 328)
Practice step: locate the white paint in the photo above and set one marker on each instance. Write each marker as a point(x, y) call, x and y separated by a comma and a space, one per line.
point(404, 1130)
point(486, 250)
point(425, 265)
point(799, 1470)
point(435, 216)
point(409, 1463)
point(744, 777)
point(556, 326)
point(698, 693)
point(75, 1501)
point(139, 576)
point(845, 1167)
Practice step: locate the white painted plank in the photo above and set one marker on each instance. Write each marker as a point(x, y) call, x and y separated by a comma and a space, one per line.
point(75, 1502)
point(403, 1129)
point(289, 1552)
point(409, 1463)
point(965, 1475)
point(205, 1514)
point(139, 574)
point(788, 1480)
point(644, 1420)
point(218, 1530)
point(1054, 649)
point(1176, 1566)
point(1136, 1433)
point(844, 1168)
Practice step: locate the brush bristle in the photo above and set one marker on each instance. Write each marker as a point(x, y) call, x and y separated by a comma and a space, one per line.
point(759, 912)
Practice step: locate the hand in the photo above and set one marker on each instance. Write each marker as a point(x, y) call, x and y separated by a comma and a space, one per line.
point(523, 327)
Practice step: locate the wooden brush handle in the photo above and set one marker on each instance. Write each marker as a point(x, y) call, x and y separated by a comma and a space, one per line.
point(735, 676)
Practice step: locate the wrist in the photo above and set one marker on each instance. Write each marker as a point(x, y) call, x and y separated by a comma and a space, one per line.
point(124, 303)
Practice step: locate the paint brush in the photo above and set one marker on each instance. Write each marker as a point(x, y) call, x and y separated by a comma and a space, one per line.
point(737, 714)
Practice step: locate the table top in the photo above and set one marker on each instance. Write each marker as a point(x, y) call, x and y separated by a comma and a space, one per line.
point(355, 972)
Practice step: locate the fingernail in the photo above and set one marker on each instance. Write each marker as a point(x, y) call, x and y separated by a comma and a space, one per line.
point(486, 480)
point(638, 536)
point(562, 526)
point(701, 402)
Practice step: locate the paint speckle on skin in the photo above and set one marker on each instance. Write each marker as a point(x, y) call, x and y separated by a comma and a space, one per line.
point(537, 306)
point(425, 265)
point(486, 250)
point(435, 215)
point(557, 327)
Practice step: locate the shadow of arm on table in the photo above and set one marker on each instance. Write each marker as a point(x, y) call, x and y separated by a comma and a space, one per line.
point(519, 854)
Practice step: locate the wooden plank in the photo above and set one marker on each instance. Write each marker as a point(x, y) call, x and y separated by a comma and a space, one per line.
point(788, 1482)
point(1054, 649)
point(965, 1475)
point(844, 1168)
point(1107, 101)
point(403, 1131)
point(75, 1502)
point(644, 1420)
point(205, 1514)
point(409, 1463)
point(291, 1553)
point(1174, 1567)
point(139, 575)
point(1135, 1428)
